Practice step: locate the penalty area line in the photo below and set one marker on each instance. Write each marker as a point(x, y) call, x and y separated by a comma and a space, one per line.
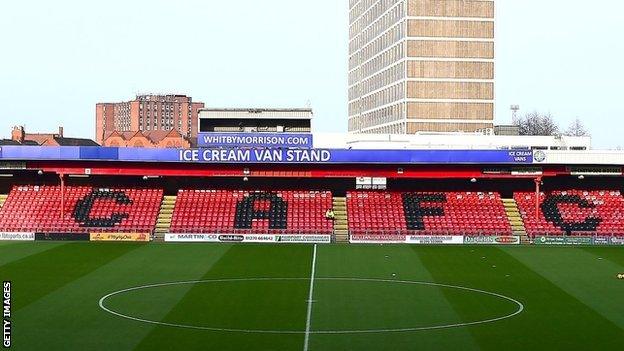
point(306, 340)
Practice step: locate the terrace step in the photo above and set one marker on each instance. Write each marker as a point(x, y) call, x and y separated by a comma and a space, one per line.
point(165, 215)
point(341, 225)
point(3, 199)
point(515, 220)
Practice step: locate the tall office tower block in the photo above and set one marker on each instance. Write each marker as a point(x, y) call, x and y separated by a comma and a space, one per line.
point(421, 66)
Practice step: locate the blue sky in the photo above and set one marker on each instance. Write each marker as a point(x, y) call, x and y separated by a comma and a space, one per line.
point(59, 58)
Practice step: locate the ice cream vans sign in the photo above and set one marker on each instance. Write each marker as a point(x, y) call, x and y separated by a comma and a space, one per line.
point(522, 156)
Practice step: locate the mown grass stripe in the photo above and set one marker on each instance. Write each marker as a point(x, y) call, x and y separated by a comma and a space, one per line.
point(584, 273)
point(70, 318)
point(551, 316)
point(306, 342)
point(613, 254)
point(18, 250)
point(40, 274)
point(376, 305)
point(242, 261)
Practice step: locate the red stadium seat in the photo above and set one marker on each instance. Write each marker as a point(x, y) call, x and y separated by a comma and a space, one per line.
point(439, 213)
point(573, 212)
point(87, 209)
point(275, 212)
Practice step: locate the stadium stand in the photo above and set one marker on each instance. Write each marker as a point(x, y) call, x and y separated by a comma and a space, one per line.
point(29, 208)
point(258, 212)
point(573, 212)
point(87, 209)
point(439, 213)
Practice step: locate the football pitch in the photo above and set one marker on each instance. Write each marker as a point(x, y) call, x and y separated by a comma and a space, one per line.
point(117, 296)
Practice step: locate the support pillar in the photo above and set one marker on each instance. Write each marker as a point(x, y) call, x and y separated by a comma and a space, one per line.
point(538, 182)
point(62, 177)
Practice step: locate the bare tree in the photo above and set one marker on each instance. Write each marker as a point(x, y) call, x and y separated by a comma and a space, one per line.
point(577, 129)
point(535, 123)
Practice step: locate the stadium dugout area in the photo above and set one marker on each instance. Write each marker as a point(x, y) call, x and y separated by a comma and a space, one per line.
point(317, 189)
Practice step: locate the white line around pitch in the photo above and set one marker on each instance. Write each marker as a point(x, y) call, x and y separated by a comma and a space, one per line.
point(320, 332)
point(306, 340)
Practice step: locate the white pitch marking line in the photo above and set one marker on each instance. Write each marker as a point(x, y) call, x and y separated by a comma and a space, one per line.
point(306, 340)
point(258, 331)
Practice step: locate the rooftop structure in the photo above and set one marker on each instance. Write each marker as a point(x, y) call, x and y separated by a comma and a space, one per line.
point(255, 120)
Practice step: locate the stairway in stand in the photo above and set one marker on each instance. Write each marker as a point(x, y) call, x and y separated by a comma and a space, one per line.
point(163, 222)
point(3, 199)
point(341, 225)
point(515, 219)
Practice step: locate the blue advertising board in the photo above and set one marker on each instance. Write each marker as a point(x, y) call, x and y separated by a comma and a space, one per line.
point(255, 140)
point(353, 156)
point(293, 156)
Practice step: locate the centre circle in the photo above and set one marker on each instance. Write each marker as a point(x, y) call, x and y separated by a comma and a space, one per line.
point(339, 305)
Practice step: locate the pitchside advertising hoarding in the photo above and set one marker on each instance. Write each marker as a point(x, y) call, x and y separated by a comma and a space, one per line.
point(579, 240)
point(492, 240)
point(434, 240)
point(263, 140)
point(376, 239)
point(62, 236)
point(119, 237)
point(17, 236)
point(248, 238)
point(268, 155)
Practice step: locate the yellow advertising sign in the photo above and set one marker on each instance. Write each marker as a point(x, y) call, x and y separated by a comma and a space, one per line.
point(119, 237)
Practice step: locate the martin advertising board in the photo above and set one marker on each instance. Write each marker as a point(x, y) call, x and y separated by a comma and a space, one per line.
point(249, 238)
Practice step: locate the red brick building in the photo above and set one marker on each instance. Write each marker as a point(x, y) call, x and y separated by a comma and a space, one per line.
point(151, 139)
point(147, 114)
point(20, 137)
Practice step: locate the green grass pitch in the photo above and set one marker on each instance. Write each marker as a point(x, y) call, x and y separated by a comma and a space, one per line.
point(255, 297)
